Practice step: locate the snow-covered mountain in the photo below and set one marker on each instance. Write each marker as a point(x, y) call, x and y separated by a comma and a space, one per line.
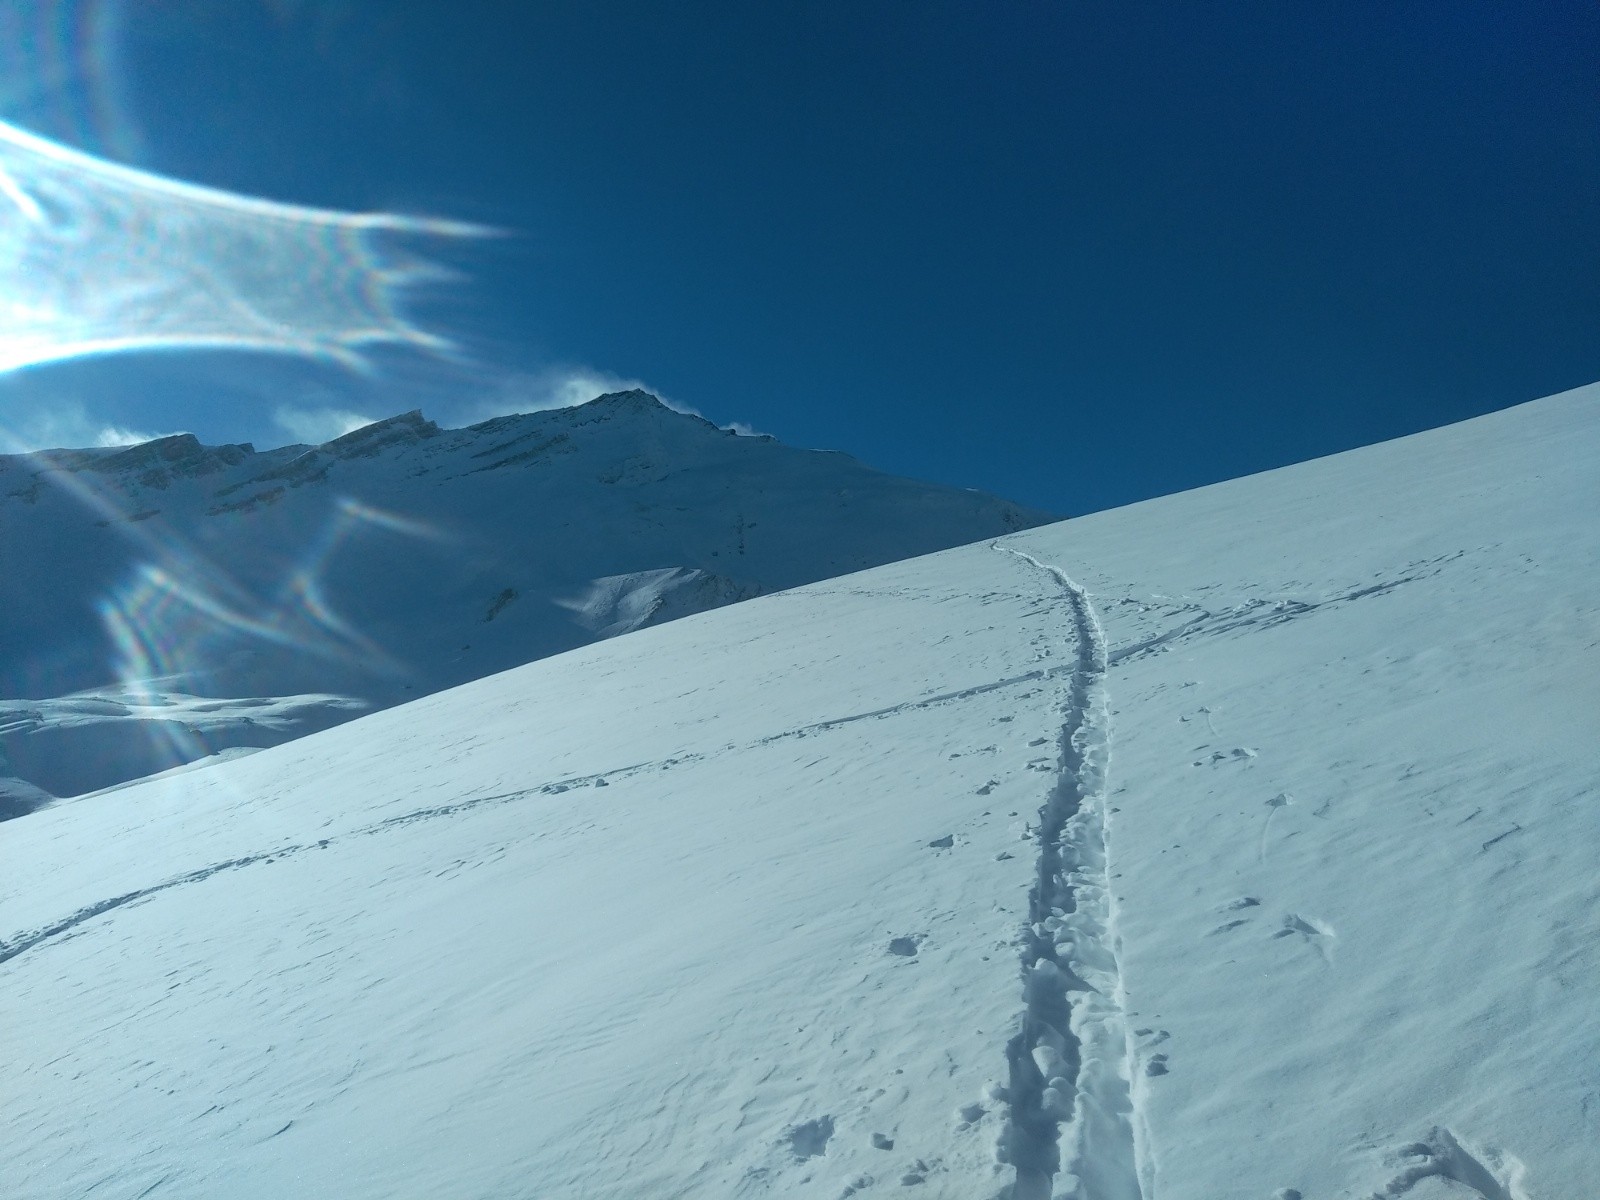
point(1239, 844)
point(170, 600)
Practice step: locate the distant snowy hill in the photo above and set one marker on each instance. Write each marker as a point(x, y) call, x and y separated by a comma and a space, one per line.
point(1239, 844)
point(169, 600)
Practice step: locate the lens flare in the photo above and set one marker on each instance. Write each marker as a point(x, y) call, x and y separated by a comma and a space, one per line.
point(171, 625)
point(97, 257)
point(175, 628)
point(60, 70)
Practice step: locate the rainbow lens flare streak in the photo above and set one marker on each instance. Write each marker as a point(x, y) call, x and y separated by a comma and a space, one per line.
point(171, 619)
point(98, 257)
point(175, 618)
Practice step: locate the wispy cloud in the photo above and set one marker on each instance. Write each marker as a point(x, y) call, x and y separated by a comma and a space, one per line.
point(557, 387)
point(317, 425)
point(116, 435)
point(65, 425)
point(566, 386)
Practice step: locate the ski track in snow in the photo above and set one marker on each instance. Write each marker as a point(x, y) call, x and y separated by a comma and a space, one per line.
point(23, 942)
point(26, 940)
point(1070, 1083)
point(1261, 613)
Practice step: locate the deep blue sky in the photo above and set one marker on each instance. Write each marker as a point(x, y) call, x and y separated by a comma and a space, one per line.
point(1076, 254)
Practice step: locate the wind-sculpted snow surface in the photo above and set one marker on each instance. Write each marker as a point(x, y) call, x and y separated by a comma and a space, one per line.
point(735, 907)
point(612, 924)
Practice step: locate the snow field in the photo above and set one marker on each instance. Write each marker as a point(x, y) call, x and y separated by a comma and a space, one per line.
point(1237, 844)
point(1354, 814)
point(438, 955)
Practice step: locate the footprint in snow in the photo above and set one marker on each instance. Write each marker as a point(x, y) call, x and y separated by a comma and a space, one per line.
point(1294, 923)
point(1311, 932)
point(810, 1139)
point(1240, 905)
point(918, 1173)
point(1281, 800)
point(1441, 1168)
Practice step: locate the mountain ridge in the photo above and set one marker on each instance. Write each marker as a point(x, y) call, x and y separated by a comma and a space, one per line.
point(398, 559)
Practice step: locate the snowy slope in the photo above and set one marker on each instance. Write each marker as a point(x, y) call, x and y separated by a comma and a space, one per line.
point(759, 903)
point(169, 593)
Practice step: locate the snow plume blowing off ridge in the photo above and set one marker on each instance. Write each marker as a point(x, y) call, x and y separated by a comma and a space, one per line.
point(96, 257)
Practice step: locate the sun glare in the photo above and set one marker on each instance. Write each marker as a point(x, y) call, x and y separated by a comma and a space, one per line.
point(174, 615)
point(98, 257)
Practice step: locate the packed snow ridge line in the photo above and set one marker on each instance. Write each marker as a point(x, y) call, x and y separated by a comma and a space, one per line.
point(1070, 1073)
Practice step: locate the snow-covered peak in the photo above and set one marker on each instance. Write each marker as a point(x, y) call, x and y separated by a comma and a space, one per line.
point(634, 399)
point(403, 430)
point(153, 464)
point(401, 558)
